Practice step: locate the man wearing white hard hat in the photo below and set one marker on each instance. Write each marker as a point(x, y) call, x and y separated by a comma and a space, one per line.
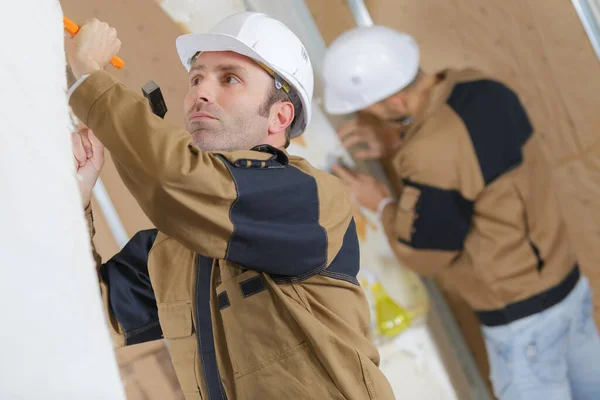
point(251, 272)
point(475, 206)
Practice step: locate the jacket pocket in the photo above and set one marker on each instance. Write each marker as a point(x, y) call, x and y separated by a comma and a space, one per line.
point(269, 353)
point(247, 305)
point(294, 374)
point(176, 320)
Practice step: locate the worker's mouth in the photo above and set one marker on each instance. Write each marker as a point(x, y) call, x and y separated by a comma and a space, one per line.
point(200, 116)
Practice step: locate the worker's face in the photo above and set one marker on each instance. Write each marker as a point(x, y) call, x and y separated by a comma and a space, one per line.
point(393, 109)
point(226, 91)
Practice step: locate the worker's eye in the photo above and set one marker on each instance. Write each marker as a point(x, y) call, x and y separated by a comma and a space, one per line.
point(231, 79)
point(195, 80)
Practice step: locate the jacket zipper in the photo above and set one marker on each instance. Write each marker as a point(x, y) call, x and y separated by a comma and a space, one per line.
point(196, 311)
point(214, 385)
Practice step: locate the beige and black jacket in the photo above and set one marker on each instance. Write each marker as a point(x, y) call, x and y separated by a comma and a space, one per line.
point(251, 273)
point(476, 203)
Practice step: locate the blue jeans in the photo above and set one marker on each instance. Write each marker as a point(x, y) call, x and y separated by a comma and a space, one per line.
point(552, 355)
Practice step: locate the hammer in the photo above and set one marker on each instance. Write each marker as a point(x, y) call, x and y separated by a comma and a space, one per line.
point(152, 92)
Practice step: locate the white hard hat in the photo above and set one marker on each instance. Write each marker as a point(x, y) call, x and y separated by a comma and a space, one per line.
point(267, 41)
point(366, 65)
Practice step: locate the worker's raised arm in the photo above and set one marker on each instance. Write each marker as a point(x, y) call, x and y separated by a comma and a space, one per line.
point(237, 206)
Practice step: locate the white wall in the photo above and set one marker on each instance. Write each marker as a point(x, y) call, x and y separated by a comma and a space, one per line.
point(54, 343)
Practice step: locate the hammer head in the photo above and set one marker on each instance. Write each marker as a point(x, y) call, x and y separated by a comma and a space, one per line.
point(152, 92)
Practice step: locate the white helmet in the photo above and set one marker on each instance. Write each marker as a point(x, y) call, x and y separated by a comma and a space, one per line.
point(366, 65)
point(270, 43)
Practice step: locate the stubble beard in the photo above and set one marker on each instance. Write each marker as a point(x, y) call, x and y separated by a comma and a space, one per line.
point(216, 135)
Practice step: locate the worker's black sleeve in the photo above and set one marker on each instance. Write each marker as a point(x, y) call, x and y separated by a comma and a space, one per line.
point(131, 298)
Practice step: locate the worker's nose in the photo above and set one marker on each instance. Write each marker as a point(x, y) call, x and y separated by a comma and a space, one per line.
point(204, 92)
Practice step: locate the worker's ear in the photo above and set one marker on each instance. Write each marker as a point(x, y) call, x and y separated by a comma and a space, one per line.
point(280, 117)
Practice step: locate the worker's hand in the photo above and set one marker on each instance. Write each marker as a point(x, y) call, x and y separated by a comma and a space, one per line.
point(92, 47)
point(368, 141)
point(89, 160)
point(361, 141)
point(367, 191)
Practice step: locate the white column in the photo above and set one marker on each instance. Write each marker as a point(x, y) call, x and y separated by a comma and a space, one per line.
point(589, 13)
point(110, 214)
point(54, 342)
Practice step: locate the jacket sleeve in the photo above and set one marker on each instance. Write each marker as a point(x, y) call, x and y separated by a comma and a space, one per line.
point(440, 179)
point(127, 293)
point(248, 207)
point(427, 226)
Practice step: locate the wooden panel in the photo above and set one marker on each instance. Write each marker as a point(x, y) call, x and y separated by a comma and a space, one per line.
point(574, 65)
point(332, 17)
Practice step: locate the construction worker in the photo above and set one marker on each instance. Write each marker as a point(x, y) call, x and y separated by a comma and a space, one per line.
point(475, 206)
point(251, 272)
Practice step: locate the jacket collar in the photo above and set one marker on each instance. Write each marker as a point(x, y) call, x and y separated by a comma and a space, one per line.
point(279, 156)
point(441, 91)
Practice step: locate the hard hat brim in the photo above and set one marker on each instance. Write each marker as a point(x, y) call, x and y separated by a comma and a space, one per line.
point(334, 105)
point(188, 45)
point(337, 105)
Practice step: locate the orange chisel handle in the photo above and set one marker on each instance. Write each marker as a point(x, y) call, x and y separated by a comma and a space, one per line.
point(72, 28)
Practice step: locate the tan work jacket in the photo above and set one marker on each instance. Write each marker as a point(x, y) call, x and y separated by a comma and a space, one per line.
point(251, 272)
point(476, 203)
